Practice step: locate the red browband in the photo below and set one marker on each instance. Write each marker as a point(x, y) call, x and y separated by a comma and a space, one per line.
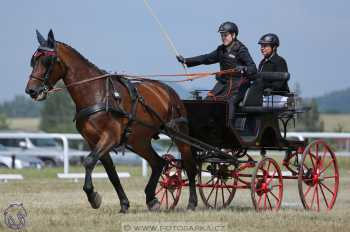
point(45, 53)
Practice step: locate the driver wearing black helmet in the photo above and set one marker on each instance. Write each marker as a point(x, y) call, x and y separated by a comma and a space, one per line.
point(231, 54)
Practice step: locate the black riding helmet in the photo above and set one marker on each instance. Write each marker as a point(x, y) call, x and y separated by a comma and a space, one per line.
point(228, 27)
point(270, 38)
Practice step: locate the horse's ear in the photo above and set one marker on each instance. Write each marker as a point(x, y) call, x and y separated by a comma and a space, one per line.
point(50, 39)
point(40, 38)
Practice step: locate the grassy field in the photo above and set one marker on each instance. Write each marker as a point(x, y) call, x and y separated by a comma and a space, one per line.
point(27, 124)
point(334, 122)
point(61, 205)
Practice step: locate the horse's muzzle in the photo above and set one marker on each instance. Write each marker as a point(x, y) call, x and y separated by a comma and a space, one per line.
point(37, 94)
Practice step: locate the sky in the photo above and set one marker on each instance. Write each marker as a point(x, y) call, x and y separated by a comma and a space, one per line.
point(121, 36)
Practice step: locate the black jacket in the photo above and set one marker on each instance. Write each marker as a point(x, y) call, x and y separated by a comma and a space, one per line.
point(275, 63)
point(238, 55)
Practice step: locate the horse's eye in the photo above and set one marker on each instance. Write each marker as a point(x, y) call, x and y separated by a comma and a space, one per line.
point(45, 61)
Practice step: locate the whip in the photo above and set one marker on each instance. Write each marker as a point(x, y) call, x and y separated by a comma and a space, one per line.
point(164, 32)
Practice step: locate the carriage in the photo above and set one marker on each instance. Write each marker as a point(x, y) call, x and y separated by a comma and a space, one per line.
point(223, 153)
point(223, 159)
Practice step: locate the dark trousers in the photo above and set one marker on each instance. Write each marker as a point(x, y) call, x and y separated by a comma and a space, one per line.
point(236, 98)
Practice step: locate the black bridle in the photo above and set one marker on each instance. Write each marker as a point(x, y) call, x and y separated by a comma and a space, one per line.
point(49, 59)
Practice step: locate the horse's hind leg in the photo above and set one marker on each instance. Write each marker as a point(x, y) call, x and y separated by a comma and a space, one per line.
point(157, 163)
point(103, 146)
point(191, 170)
point(189, 165)
point(114, 178)
point(157, 167)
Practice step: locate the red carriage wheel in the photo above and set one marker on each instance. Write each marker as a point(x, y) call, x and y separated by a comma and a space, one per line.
point(217, 184)
point(267, 185)
point(169, 187)
point(318, 177)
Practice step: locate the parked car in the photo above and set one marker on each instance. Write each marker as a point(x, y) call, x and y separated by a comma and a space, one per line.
point(6, 160)
point(45, 149)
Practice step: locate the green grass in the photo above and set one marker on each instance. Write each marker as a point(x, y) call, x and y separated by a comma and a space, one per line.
point(334, 122)
point(49, 173)
point(61, 205)
point(27, 124)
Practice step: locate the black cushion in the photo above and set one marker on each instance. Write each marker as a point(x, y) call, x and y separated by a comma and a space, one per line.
point(273, 76)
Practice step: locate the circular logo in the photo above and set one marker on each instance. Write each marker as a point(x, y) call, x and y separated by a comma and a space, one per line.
point(15, 216)
point(126, 228)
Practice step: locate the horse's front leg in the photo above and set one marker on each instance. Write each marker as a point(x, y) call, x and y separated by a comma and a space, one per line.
point(102, 147)
point(114, 178)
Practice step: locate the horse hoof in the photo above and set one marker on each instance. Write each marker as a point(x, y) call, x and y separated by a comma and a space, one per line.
point(95, 200)
point(124, 208)
point(191, 207)
point(153, 205)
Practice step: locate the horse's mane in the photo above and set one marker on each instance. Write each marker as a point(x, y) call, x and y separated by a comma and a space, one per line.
point(90, 64)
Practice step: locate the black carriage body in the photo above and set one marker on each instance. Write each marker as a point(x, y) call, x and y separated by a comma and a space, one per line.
point(209, 122)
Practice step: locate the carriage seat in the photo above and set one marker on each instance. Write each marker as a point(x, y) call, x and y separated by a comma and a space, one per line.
point(264, 96)
point(269, 77)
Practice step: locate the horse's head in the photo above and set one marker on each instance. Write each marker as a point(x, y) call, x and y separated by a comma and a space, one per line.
point(47, 68)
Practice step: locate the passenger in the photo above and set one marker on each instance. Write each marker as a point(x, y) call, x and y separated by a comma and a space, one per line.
point(231, 54)
point(272, 62)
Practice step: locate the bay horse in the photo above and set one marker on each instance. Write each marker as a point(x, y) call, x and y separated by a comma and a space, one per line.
point(144, 109)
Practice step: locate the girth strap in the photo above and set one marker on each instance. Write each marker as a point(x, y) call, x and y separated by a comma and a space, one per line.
point(99, 107)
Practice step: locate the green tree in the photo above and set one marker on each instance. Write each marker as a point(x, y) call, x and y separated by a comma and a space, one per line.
point(57, 114)
point(3, 122)
point(310, 120)
point(21, 106)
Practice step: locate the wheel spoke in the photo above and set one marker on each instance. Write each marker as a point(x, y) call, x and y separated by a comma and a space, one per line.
point(273, 175)
point(268, 168)
point(210, 180)
point(327, 188)
point(161, 201)
point(265, 200)
point(210, 194)
point(324, 154)
point(268, 200)
point(216, 196)
point(317, 198)
point(166, 199)
point(228, 189)
point(222, 194)
point(172, 194)
point(158, 191)
point(324, 196)
point(313, 198)
point(328, 177)
point(274, 196)
point(259, 201)
point(329, 163)
point(307, 190)
point(312, 160)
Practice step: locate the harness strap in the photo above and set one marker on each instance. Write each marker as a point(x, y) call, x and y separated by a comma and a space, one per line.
point(135, 97)
point(86, 112)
